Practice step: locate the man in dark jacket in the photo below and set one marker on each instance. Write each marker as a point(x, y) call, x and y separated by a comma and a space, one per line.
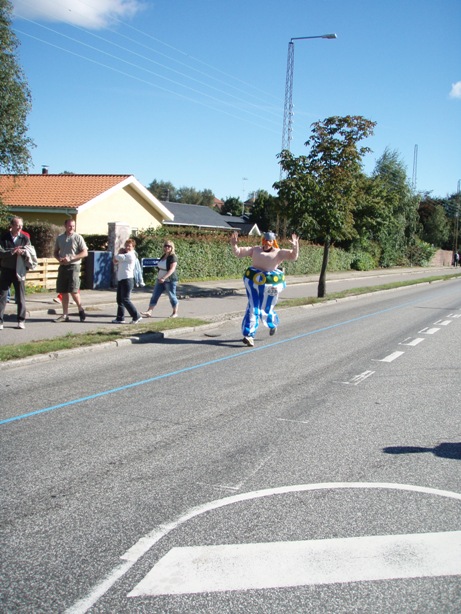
point(12, 244)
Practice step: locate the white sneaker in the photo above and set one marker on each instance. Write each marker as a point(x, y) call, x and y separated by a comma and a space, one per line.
point(118, 321)
point(133, 321)
point(1, 326)
point(249, 341)
point(21, 325)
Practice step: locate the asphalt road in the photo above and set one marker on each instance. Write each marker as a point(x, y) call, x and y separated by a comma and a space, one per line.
point(317, 472)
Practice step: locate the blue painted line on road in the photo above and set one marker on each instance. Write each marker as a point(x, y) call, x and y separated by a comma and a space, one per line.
point(244, 352)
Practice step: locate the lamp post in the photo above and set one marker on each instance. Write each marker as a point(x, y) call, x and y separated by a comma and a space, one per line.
point(288, 107)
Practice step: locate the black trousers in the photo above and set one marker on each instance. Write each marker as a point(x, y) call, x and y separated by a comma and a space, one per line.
point(8, 277)
point(124, 288)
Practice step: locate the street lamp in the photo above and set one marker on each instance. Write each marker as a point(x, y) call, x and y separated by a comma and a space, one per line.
point(288, 108)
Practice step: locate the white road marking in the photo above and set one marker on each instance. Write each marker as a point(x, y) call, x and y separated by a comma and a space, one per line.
point(455, 315)
point(148, 541)
point(443, 322)
point(391, 357)
point(239, 567)
point(297, 421)
point(428, 331)
point(413, 342)
point(359, 378)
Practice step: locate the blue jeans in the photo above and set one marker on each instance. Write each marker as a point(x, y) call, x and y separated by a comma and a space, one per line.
point(160, 288)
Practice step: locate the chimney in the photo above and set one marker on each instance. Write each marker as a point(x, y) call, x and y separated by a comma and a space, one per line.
point(44, 170)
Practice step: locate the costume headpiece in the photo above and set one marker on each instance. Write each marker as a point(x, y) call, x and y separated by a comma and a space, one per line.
point(270, 236)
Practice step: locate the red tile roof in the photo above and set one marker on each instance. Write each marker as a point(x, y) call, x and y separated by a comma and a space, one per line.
point(54, 191)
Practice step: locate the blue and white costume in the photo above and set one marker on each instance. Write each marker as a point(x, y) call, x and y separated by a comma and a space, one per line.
point(263, 289)
point(263, 282)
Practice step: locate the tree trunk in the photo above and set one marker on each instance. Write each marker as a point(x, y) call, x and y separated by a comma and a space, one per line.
point(323, 271)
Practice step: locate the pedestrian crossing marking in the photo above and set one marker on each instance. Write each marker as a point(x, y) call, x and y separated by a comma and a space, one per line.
point(238, 567)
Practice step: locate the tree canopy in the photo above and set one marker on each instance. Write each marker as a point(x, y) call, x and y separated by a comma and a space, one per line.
point(15, 101)
point(319, 190)
point(166, 191)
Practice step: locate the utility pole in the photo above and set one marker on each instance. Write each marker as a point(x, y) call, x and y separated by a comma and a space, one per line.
point(288, 107)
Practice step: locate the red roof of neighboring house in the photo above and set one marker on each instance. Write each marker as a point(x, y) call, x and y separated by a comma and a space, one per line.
point(57, 191)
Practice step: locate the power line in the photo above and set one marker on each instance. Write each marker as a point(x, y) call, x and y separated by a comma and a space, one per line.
point(131, 76)
point(132, 40)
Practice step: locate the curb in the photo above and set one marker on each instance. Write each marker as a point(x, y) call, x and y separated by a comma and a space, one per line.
point(107, 345)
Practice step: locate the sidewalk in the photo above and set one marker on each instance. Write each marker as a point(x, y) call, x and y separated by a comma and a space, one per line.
point(208, 300)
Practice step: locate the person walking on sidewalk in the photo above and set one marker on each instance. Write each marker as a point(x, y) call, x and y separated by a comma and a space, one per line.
point(263, 282)
point(69, 249)
point(13, 245)
point(126, 262)
point(8, 297)
point(167, 280)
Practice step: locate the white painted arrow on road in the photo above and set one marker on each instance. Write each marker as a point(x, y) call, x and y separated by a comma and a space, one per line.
point(298, 563)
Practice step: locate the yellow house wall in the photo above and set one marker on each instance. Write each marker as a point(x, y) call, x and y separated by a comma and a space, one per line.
point(126, 206)
point(52, 218)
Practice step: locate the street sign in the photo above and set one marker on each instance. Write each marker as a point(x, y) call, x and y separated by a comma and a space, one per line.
point(149, 262)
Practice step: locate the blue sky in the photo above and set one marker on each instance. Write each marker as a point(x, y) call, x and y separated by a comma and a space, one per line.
point(192, 91)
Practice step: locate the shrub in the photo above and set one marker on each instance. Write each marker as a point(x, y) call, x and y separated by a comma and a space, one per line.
point(96, 243)
point(42, 236)
point(208, 255)
point(362, 261)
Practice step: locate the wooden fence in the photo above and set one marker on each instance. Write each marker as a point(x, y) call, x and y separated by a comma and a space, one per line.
point(45, 274)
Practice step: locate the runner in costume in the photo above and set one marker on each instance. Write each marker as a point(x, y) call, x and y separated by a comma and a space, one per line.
point(263, 282)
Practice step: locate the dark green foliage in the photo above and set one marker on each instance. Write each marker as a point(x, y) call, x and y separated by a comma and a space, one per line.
point(166, 191)
point(362, 261)
point(5, 216)
point(264, 211)
point(163, 190)
point(15, 101)
point(42, 236)
point(96, 243)
point(232, 205)
point(435, 225)
point(319, 191)
point(207, 255)
point(397, 232)
point(419, 254)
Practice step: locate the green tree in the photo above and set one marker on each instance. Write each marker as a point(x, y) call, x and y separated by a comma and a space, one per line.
point(5, 216)
point(264, 210)
point(163, 190)
point(435, 225)
point(232, 205)
point(15, 101)
point(370, 213)
point(452, 206)
point(399, 232)
point(191, 196)
point(319, 190)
